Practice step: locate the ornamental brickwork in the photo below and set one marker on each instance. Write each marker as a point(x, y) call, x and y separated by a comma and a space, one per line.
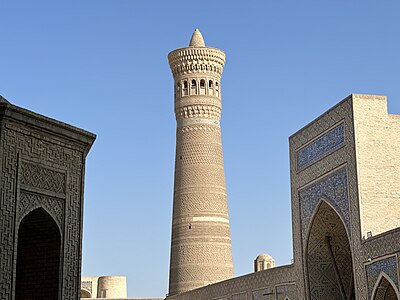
point(41, 180)
point(201, 251)
point(345, 185)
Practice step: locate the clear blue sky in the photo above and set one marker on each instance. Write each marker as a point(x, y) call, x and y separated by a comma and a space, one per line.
point(102, 66)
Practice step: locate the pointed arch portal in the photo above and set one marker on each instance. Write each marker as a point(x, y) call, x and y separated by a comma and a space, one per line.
point(38, 257)
point(328, 257)
point(385, 289)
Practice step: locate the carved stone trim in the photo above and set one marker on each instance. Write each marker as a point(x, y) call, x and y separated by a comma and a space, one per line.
point(199, 111)
point(38, 177)
point(190, 60)
point(29, 202)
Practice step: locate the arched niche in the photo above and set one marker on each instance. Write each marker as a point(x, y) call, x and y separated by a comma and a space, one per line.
point(328, 257)
point(38, 257)
point(85, 293)
point(385, 289)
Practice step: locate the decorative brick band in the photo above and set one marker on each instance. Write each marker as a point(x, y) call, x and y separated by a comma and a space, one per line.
point(199, 111)
point(36, 176)
point(190, 60)
point(197, 121)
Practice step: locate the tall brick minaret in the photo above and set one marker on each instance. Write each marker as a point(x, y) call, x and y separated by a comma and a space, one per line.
point(201, 251)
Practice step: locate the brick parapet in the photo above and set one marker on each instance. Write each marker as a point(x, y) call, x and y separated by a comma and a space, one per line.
point(267, 281)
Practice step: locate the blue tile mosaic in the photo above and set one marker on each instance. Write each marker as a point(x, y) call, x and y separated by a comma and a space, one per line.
point(333, 189)
point(387, 265)
point(321, 147)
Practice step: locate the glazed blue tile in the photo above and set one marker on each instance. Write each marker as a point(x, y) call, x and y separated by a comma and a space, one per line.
point(321, 147)
point(387, 265)
point(333, 189)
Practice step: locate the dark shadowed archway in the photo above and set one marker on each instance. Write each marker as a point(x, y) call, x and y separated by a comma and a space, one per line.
point(38, 257)
point(384, 289)
point(328, 257)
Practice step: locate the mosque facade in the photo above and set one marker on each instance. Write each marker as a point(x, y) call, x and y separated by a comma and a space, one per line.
point(345, 190)
point(42, 165)
point(345, 193)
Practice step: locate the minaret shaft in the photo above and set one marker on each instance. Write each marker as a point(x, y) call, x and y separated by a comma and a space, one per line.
point(201, 251)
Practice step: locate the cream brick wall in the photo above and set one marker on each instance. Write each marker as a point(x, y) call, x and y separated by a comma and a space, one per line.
point(377, 139)
point(113, 286)
point(201, 251)
point(249, 287)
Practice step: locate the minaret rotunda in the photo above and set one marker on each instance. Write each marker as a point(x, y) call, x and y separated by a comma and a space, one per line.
point(201, 251)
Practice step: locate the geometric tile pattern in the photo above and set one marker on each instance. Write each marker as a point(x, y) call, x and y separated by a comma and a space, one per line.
point(321, 147)
point(322, 277)
point(333, 189)
point(20, 142)
point(287, 291)
point(385, 290)
point(320, 169)
point(43, 178)
point(387, 265)
point(28, 202)
point(310, 183)
point(264, 294)
point(241, 296)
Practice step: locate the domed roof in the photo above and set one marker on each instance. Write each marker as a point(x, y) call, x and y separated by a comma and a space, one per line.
point(197, 39)
point(264, 256)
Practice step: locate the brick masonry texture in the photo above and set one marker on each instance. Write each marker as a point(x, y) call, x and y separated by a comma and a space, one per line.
point(42, 167)
point(345, 186)
point(321, 147)
point(201, 251)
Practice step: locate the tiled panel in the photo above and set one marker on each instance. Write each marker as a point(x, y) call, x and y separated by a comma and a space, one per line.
point(321, 147)
point(333, 189)
point(387, 265)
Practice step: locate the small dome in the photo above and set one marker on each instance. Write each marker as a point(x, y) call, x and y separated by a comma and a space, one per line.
point(263, 262)
point(197, 39)
point(264, 256)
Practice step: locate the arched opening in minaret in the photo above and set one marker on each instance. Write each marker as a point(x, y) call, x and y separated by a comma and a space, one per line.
point(328, 257)
point(385, 289)
point(202, 87)
point(216, 89)
point(185, 88)
point(38, 257)
point(210, 87)
point(178, 90)
point(193, 87)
